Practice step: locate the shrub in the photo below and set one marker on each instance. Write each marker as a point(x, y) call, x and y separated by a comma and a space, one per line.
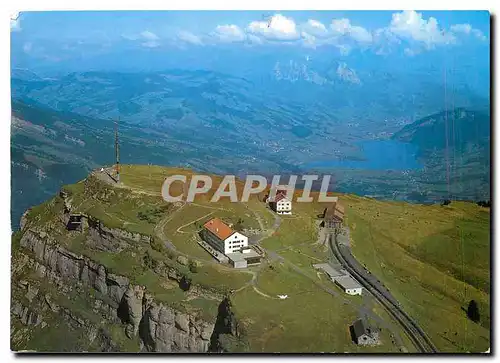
point(193, 266)
point(446, 202)
point(238, 226)
point(483, 203)
point(170, 254)
point(149, 261)
point(182, 260)
point(157, 245)
point(473, 311)
point(185, 283)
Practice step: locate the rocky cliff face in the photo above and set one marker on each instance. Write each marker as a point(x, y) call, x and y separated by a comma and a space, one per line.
point(160, 328)
point(226, 333)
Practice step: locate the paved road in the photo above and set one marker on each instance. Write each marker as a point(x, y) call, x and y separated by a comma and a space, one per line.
point(277, 222)
point(379, 292)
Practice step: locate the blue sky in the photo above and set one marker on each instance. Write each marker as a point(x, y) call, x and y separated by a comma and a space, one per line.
point(47, 37)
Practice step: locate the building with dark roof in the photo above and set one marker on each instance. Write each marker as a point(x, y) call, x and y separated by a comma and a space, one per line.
point(280, 203)
point(364, 335)
point(333, 216)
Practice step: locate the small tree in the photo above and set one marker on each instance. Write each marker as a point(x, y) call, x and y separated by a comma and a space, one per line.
point(483, 203)
point(147, 260)
point(239, 225)
point(185, 283)
point(157, 244)
point(193, 266)
point(473, 311)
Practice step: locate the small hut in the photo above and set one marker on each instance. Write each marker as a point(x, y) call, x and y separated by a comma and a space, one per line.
point(333, 216)
point(363, 335)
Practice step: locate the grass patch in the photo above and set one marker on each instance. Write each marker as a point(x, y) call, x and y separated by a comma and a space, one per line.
point(310, 320)
point(294, 230)
point(433, 259)
point(206, 309)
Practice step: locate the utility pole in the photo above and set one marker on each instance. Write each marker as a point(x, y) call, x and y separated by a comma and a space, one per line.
point(117, 152)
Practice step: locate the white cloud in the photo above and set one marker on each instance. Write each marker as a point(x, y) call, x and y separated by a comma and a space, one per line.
point(461, 28)
point(343, 27)
point(479, 34)
point(340, 26)
point(229, 33)
point(467, 29)
point(308, 40)
point(408, 32)
point(146, 34)
point(314, 28)
point(15, 22)
point(278, 27)
point(130, 36)
point(147, 38)
point(151, 44)
point(189, 37)
point(411, 26)
point(151, 39)
point(253, 39)
point(27, 47)
point(410, 52)
point(360, 34)
point(384, 41)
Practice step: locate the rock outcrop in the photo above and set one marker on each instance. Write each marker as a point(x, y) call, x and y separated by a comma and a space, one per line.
point(160, 328)
point(226, 335)
point(163, 329)
point(57, 286)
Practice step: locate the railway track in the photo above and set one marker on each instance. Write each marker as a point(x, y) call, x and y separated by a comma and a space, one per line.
point(414, 332)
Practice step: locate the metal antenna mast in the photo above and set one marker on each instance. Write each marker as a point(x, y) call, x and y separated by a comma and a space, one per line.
point(117, 152)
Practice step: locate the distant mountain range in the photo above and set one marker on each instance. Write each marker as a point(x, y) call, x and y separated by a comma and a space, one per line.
point(295, 71)
point(455, 146)
point(458, 129)
point(213, 122)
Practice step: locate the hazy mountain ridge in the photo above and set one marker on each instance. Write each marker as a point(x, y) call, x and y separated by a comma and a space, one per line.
point(456, 128)
point(455, 147)
point(213, 122)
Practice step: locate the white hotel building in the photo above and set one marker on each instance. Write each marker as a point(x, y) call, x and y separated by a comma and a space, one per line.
point(222, 237)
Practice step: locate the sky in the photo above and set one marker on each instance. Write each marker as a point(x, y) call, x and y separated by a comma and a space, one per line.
point(57, 37)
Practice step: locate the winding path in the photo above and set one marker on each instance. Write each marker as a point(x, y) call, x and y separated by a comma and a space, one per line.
point(194, 221)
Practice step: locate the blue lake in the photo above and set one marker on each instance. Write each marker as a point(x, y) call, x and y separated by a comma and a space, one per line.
point(377, 155)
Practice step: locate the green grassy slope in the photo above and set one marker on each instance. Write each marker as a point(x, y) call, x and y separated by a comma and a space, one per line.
point(433, 259)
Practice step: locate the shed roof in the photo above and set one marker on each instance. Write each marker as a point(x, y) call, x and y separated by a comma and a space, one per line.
point(359, 328)
point(239, 256)
point(280, 197)
point(331, 271)
point(335, 210)
point(347, 282)
point(219, 228)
